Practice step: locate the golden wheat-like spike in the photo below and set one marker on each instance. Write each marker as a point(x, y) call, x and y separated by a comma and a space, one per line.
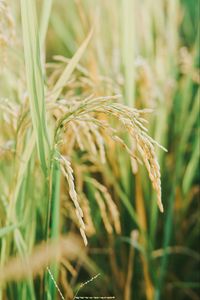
point(110, 203)
point(148, 155)
point(132, 121)
point(104, 215)
point(68, 173)
point(89, 137)
point(76, 130)
point(99, 141)
point(89, 225)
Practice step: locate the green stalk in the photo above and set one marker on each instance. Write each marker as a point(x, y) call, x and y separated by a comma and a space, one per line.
point(34, 78)
point(167, 237)
point(46, 12)
point(128, 39)
point(191, 169)
point(53, 218)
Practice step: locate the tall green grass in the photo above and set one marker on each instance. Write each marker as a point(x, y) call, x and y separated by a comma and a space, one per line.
point(150, 55)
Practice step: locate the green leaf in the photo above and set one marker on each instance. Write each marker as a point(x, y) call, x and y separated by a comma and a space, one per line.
point(34, 78)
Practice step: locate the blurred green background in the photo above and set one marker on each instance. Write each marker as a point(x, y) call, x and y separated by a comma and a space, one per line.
point(147, 51)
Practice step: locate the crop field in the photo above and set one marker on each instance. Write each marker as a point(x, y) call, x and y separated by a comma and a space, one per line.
point(99, 149)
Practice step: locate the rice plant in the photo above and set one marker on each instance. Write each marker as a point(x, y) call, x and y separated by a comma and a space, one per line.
point(99, 149)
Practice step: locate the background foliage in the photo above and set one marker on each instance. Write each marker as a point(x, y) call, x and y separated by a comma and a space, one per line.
point(64, 151)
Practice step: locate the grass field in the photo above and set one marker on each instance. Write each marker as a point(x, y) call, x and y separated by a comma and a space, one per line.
point(99, 149)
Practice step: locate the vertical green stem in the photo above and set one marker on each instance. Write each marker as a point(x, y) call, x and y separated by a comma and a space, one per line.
point(35, 81)
point(128, 38)
point(53, 225)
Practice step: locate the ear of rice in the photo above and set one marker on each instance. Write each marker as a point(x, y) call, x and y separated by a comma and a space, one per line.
point(68, 173)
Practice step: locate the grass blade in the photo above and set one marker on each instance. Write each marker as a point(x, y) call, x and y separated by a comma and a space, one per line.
point(46, 11)
point(70, 68)
point(128, 49)
point(34, 77)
